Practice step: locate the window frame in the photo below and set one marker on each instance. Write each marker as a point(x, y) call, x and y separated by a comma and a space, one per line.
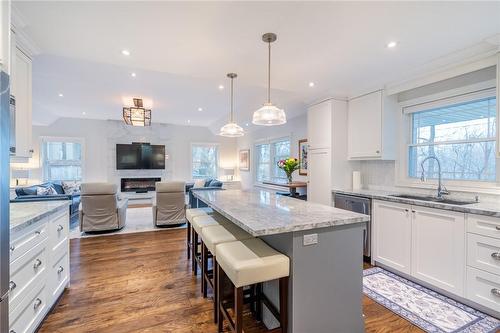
point(204, 144)
point(270, 142)
point(465, 94)
point(46, 139)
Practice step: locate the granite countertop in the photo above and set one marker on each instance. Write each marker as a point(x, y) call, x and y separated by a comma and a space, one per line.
point(23, 214)
point(480, 208)
point(262, 212)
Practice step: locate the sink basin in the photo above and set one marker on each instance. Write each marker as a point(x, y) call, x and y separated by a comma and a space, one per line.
point(433, 199)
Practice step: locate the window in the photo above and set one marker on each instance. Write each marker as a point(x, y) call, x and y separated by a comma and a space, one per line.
point(62, 160)
point(461, 135)
point(204, 161)
point(267, 157)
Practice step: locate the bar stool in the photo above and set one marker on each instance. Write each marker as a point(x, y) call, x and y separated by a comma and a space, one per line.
point(245, 263)
point(199, 222)
point(190, 214)
point(210, 238)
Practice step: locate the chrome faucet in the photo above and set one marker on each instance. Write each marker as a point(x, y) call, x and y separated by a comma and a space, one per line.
point(441, 189)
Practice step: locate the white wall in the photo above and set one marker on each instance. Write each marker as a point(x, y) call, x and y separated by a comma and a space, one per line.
point(101, 136)
point(295, 129)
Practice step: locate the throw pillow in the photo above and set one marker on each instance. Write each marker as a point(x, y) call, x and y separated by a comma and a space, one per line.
point(71, 187)
point(199, 183)
point(45, 190)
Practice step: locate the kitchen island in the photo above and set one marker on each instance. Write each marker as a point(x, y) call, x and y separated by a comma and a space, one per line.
point(325, 248)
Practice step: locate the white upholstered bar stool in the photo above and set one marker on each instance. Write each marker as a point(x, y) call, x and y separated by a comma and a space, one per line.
point(211, 237)
point(190, 214)
point(246, 263)
point(199, 222)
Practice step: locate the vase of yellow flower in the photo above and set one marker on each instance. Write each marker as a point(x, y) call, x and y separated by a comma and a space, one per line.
point(289, 165)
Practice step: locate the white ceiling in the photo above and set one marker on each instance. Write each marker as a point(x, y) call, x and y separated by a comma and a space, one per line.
point(181, 52)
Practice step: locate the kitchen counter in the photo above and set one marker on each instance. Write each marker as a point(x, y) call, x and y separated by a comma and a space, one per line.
point(480, 208)
point(262, 212)
point(24, 214)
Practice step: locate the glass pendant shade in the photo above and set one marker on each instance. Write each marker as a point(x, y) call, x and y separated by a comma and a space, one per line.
point(231, 130)
point(269, 115)
point(137, 115)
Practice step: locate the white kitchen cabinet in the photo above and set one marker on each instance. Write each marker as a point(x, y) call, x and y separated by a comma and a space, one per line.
point(21, 89)
point(319, 170)
point(5, 36)
point(319, 125)
point(438, 248)
point(392, 235)
point(371, 127)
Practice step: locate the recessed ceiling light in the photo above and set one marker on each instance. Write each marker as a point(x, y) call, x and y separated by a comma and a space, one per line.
point(311, 84)
point(392, 44)
point(133, 74)
point(189, 121)
point(246, 124)
point(84, 113)
point(221, 87)
point(60, 95)
point(126, 52)
point(200, 109)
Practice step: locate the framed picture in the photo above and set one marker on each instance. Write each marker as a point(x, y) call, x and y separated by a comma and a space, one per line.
point(303, 157)
point(245, 160)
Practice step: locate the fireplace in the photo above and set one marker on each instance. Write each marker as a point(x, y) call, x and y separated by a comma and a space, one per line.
point(138, 185)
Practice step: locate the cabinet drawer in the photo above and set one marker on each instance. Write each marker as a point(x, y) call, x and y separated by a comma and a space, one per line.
point(483, 288)
point(22, 241)
point(27, 315)
point(483, 253)
point(58, 230)
point(26, 271)
point(483, 225)
point(58, 276)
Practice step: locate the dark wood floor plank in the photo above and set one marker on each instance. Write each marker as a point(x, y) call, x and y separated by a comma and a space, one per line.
point(143, 283)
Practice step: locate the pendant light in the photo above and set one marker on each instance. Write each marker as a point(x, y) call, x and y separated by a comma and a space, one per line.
point(231, 129)
point(269, 114)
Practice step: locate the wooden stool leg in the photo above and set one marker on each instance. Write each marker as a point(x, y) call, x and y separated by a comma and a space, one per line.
point(188, 237)
point(220, 299)
point(283, 308)
point(194, 252)
point(215, 283)
point(258, 301)
point(204, 269)
point(238, 309)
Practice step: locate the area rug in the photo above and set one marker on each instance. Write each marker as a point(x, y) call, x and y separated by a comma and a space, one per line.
point(423, 307)
point(138, 220)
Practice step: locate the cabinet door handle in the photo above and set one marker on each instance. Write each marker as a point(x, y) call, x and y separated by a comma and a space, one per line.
point(38, 232)
point(12, 285)
point(37, 303)
point(406, 210)
point(413, 211)
point(496, 255)
point(12, 331)
point(497, 227)
point(495, 292)
point(60, 270)
point(12, 248)
point(378, 151)
point(60, 228)
point(37, 263)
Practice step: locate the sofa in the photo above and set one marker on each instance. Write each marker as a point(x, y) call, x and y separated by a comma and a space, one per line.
point(209, 184)
point(29, 194)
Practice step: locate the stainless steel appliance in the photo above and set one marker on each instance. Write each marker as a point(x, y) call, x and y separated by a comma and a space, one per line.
point(358, 205)
point(4, 200)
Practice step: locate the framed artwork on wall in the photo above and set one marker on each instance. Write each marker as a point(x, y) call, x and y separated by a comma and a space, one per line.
point(303, 157)
point(244, 160)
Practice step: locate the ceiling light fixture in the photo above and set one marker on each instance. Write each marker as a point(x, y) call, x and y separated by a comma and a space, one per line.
point(269, 114)
point(126, 52)
point(392, 44)
point(231, 129)
point(137, 115)
point(221, 87)
point(60, 95)
point(189, 121)
point(200, 109)
point(84, 113)
point(311, 84)
point(133, 74)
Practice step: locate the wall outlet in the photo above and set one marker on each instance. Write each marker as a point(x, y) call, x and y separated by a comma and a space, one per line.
point(310, 239)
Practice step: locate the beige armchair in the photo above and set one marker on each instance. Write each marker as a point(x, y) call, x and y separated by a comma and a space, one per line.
point(170, 205)
point(100, 208)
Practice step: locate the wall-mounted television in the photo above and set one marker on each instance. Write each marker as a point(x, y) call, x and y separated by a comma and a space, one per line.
point(140, 156)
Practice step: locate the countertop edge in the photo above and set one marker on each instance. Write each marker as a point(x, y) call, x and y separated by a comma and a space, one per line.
point(32, 220)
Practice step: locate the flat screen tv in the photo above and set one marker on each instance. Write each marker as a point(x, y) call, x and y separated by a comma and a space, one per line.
point(140, 156)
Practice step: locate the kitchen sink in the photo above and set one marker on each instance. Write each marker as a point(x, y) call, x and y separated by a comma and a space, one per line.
point(433, 199)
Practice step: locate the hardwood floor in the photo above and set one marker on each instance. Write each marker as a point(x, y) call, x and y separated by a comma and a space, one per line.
point(142, 283)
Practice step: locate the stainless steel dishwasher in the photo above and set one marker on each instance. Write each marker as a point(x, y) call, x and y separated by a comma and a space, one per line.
point(358, 205)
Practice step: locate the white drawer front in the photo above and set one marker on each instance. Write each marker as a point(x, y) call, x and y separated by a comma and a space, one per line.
point(59, 230)
point(483, 288)
point(58, 276)
point(27, 271)
point(22, 241)
point(483, 253)
point(26, 317)
point(483, 225)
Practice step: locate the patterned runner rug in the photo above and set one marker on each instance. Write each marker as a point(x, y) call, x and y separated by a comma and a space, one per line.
point(423, 307)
